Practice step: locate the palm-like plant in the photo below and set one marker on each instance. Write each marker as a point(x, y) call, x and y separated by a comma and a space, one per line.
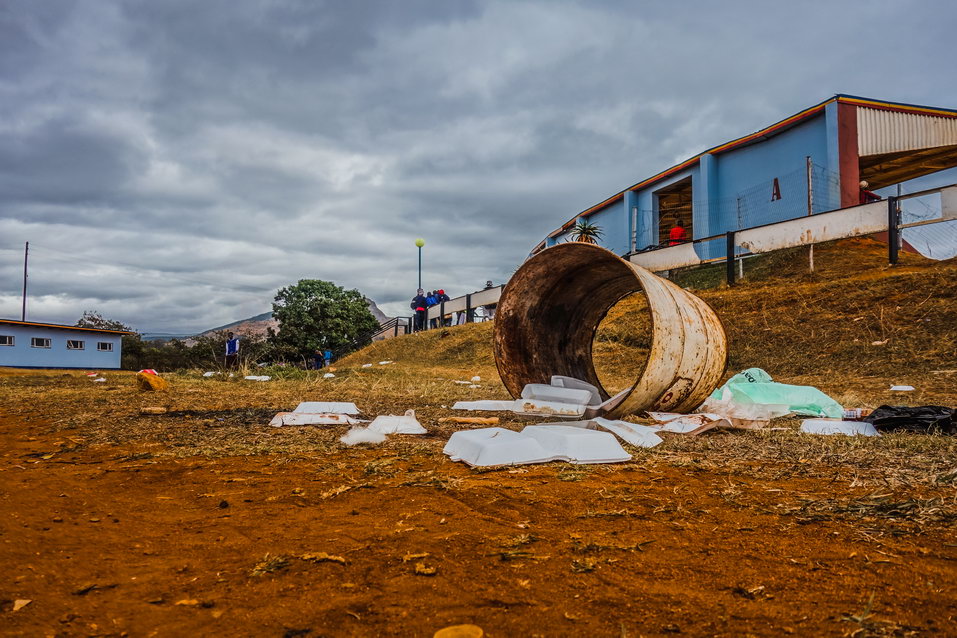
point(585, 231)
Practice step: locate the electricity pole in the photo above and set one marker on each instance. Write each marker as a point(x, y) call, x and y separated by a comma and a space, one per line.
point(26, 253)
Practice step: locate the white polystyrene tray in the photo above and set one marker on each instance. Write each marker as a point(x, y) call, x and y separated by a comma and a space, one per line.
point(390, 424)
point(828, 426)
point(327, 406)
point(495, 446)
point(578, 445)
point(541, 392)
point(560, 381)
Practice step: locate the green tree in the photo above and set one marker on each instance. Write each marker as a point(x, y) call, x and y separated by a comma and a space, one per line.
point(133, 348)
point(319, 315)
point(585, 231)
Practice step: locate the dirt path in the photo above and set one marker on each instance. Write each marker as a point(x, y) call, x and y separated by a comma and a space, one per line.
point(107, 541)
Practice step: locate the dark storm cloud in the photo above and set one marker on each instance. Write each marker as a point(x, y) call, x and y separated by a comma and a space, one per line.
point(174, 163)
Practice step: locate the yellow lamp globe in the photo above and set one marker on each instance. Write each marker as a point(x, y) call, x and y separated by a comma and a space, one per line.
point(420, 242)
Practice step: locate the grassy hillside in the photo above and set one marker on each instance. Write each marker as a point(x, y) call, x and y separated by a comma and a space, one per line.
point(853, 316)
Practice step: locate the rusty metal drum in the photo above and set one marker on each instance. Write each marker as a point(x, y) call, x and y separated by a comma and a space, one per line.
point(551, 308)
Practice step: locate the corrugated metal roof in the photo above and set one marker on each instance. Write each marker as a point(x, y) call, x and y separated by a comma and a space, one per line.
point(62, 327)
point(881, 131)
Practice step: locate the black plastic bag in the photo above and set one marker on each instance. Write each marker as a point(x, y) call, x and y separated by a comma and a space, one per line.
point(926, 419)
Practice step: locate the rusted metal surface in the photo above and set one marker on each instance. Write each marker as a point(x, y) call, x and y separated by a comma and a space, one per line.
point(550, 310)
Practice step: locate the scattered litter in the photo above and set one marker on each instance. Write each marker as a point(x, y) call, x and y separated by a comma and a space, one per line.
point(471, 420)
point(316, 407)
point(473, 386)
point(92, 374)
point(879, 343)
point(535, 407)
point(463, 382)
point(476, 379)
point(151, 382)
point(211, 374)
point(384, 363)
point(836, 426)
point(389, 424)
point(539, 392)
point(750, 416)
point(328, 375)
point(366, 365)
point(306, 418)
point(494, 446)
point(362, 435)
point(149, 371)
point(637, 435)
point(20, 603)
point(754, 386)
point(153, 410)
point(578, 445)
point(493, 406)
point(254, 377)
point(924, 419)
point(902, 388)
point(323, 557)
point(691, 424)
point(421, 569)
point(855, 414)
point(99, 380)
point(560, 381)
point(460, 631)
point(535, 444)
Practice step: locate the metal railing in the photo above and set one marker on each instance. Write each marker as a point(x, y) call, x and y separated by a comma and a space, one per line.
point(854, 221)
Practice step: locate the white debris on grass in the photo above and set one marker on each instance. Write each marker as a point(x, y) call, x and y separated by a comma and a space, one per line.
point(476, 379)
point(390, 424)
point(328, 375)
point(305, 418)
point(211, 374)
point(361, 435)
point(488, 447)
point(463, 382)
point(366, 365)
point(99, 380)
point(637, 435)
point(334, 407)
point(691, 424)
point(902, 388)
point(254, 377)
point(837, 426)
point(384, 363)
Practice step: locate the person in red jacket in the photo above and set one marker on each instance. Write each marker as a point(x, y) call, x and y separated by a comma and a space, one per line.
point(678, 234)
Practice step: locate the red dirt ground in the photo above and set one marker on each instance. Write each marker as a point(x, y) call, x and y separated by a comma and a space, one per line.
point(106, 542)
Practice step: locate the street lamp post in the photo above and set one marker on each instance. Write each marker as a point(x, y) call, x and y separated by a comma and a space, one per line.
point(420, 242)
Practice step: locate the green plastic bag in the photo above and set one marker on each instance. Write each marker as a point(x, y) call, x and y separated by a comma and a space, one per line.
point(754, 386)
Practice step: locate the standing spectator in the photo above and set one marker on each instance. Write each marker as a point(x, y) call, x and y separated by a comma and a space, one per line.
point(868, 196)
point(327, 355)
point(432, 300)
point(419, 305)
point(678, 234)
point(232, 350)
point(317, 359)
point(441, 298)
point(490, 308)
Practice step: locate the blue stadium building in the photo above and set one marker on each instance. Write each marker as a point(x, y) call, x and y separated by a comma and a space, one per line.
point(810, 162)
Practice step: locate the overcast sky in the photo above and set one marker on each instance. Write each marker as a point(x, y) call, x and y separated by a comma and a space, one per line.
point(174, 163)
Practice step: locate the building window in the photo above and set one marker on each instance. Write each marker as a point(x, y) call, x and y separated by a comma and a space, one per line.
point(104, 346)
point(39, 342)
point(6, 340)
point(73, 344)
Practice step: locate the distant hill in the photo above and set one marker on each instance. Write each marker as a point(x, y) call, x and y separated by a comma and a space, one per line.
point(259, 324)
